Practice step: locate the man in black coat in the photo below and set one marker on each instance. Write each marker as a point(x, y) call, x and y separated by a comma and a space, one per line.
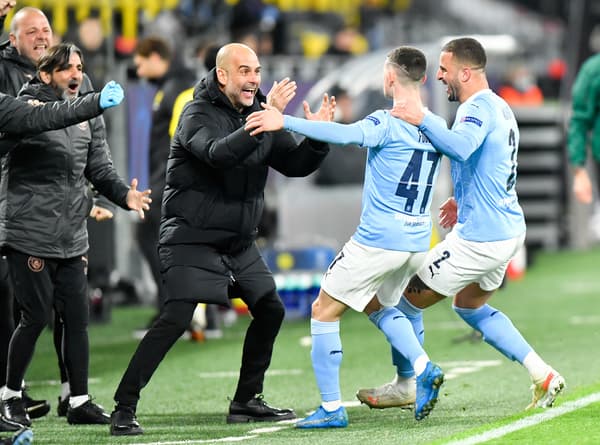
point(44, 204)
point(18, 118)
point(29, 38)
point(212, 203)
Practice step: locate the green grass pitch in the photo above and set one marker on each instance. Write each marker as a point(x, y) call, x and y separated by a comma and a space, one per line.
point(556, 307)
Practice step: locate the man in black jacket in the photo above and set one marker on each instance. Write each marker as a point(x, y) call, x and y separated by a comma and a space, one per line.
point(18, 118)
point(155, 61)
point(29, 39)
point(213, 201)
point(45, 203)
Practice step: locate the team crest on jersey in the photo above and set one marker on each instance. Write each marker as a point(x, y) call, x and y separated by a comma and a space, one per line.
point(35, 264)
point(83, 126)
point(472, 119)
point(373, 119)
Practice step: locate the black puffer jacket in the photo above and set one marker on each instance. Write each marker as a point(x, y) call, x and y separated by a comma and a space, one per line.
point(44, 199)
point(216, 172)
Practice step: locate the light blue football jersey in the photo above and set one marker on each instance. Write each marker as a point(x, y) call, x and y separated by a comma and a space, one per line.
point(483, 146)
point(401, 170)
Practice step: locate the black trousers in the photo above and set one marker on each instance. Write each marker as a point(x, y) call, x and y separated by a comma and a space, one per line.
point(254, 285)
point(43, 284)
point(147, 240)
point(7, 322)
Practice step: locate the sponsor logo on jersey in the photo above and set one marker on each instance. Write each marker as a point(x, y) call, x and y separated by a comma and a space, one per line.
point(472, 119)
point(373, 119)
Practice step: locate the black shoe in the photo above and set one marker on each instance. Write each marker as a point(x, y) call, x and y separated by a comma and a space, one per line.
point(88, 414)
point(35, 408)
point(13, 410)
point(256, 410)
point(124, 423)
point(62, 407)
point(8, 426)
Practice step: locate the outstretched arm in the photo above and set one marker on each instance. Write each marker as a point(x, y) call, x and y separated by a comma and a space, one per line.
point(270, 119)
point(18, 117)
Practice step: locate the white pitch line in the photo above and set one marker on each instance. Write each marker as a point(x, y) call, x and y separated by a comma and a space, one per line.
point(548, 414)
point(190, 442)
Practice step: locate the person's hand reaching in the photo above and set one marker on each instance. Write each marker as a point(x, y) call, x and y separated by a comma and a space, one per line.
point(111, 95)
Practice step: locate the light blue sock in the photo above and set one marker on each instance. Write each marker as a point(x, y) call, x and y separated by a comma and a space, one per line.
point(399, 333)
point(415, 315)
point(326, 355)
point(497, 330)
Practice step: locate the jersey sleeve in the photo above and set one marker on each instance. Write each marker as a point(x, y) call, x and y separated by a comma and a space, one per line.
point(375, 128)
point(470, 128)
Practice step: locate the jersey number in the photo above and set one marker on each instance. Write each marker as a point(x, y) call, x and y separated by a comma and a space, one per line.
point(512, 178)
point(408, 187)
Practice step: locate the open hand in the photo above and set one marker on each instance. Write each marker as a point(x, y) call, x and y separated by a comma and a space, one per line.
point(448, 213)
point(281, 93)
point(138, 201)
point(270, 119)
point(326, 111)
point(408, 110)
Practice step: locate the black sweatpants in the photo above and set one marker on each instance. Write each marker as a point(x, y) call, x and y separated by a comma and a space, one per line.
point(40, 285)
point(254, 284)
point(147, 240)
point(7, 322)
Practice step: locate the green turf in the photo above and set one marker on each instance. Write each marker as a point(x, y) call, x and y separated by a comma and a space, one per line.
point(556, 306)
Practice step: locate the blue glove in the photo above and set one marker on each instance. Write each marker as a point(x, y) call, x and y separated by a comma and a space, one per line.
point(111, 95)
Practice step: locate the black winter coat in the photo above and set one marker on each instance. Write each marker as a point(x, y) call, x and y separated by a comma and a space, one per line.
point(217, 172)
point(44, 190)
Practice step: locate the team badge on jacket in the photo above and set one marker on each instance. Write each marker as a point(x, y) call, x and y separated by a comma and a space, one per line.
point(35, 264)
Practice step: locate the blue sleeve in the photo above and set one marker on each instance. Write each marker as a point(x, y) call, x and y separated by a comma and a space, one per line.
point(331, 132)
point(464, 138)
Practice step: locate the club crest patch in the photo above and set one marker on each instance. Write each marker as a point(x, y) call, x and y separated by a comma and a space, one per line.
point(35, 264)
point(83, 125)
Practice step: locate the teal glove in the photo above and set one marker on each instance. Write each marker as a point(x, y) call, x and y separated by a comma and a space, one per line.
point(111, 95)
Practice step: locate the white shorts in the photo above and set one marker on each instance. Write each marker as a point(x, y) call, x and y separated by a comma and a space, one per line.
point(455, 263)
point(360, 272)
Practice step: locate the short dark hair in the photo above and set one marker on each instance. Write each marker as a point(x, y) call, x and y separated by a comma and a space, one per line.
point(410, 61)
point(154, 44)
point(467, 50)
point(57, 57)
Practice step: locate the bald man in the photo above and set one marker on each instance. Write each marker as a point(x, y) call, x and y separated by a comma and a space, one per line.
point(29, 38)
point(213, 201)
